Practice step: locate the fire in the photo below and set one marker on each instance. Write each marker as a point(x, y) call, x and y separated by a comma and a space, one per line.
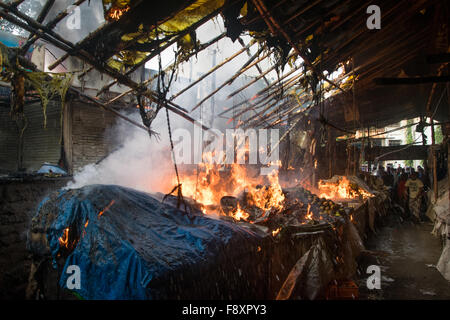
point(309, 214)
point(64, 239)
point(207, 184)
point(276, 231)
point(106, 208)
point(116, 13)
point(343, 189)
point(240, 214)
point(213, 181)
point(269, 197)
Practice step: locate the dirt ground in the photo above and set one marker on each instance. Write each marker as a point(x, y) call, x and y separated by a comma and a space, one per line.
point(407, 258)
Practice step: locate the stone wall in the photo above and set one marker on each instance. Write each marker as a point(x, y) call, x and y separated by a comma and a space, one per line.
point(18, 202)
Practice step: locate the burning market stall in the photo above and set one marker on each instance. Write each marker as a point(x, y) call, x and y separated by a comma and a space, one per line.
point(252, 237)
point(265, 243)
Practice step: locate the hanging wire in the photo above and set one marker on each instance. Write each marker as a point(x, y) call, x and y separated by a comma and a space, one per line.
point(162, 90)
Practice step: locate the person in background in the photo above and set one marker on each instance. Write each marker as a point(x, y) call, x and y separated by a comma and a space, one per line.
point(408, 170)
point(380, 172)
point(401, 190)
point(423, 176)
point(388, 178)
point(397, 174)
point(415, 189)
point(419, 172)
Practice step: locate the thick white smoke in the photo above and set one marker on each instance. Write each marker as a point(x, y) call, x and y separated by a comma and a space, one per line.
point(140, 162)
point(146, 164)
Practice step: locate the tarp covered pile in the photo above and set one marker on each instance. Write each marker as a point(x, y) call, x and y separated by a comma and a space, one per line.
point(130, 245)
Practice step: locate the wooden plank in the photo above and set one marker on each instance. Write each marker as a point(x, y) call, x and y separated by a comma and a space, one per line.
point(438, 58)
point(397, 153)
point(417, 80)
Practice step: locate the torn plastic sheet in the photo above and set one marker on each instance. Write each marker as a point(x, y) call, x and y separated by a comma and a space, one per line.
point(310, 275)
point(441, 215)
point(316, 268)
point(443, 264)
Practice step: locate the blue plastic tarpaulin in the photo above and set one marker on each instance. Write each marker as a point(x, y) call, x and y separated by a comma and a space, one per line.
point(129, 245)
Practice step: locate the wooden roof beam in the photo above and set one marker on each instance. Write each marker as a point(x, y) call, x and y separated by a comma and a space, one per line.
point(49, 25)
point(411, 81)
point(43, 32)
point(275, 28)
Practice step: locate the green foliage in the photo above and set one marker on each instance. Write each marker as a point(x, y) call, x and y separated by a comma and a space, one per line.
point(438, 136)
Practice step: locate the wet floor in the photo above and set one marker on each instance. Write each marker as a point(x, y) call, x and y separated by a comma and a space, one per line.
point(407, 258)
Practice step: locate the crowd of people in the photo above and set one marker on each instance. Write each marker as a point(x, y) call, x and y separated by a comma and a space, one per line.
point(408, 187)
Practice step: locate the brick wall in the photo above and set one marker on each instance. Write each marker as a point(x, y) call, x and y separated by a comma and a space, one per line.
point(90, 141)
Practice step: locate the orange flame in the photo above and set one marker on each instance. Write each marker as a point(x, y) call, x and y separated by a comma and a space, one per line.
point(276, 231)
point(309, 215)
point(213, 181)
point(106, 208)
point(343, 189)
point(240, 214)
point(64, 239)
point(116, 13)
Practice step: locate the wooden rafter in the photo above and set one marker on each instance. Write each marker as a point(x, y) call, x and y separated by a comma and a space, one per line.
point(44, 33)
point(275, 28)
point(167, 45)
point(217, 66)
point(32, 39)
